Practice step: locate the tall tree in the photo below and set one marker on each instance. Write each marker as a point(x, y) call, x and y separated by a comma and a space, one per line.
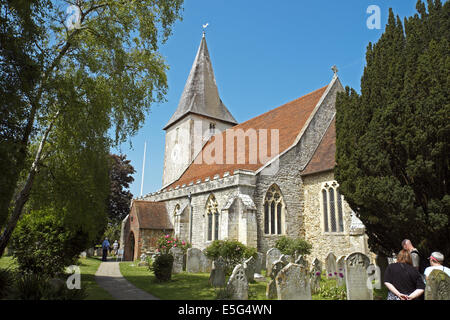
point(119, 199)
point(72, 75)
point(393, 138)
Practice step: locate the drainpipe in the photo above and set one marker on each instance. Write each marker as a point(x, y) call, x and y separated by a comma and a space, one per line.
point(191, 217)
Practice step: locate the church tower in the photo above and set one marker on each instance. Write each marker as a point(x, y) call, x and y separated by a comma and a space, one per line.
point(200, 111)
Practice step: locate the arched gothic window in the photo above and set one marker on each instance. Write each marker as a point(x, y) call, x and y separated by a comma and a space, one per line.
point(212, 214)
point(274, 211)
point(333, 217)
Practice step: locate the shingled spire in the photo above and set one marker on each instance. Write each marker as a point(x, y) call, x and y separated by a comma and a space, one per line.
point(200, 94)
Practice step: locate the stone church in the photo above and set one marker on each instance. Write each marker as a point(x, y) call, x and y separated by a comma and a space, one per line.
point(253, 181)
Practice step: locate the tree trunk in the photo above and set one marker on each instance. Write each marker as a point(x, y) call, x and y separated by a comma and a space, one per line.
point(24, 193)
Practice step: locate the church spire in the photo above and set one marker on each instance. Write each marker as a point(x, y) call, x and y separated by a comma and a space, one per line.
point(200, 94)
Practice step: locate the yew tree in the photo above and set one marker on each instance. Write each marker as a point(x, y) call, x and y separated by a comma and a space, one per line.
point(393, 138)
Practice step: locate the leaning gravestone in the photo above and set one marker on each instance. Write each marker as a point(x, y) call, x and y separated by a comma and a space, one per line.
point(341, 270)
point(271, 289)
point(330, 265)
point(250, 267)
point(217, 276)
point(272, 255)
point(356, 277)
point(293, 283)
point(237, 285)
point(438, 286)
point(178, 259)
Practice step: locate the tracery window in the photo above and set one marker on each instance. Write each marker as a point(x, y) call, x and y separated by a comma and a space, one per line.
point(212, 214)
point(176, 219)
point(333, 218)
point(274, 211)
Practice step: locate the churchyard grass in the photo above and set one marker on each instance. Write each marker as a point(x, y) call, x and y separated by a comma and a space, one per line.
point(88, 268)
point(183, 286)
point(8, 263)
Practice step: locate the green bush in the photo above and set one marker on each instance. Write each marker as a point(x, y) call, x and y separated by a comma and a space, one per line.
point(42, 245)
point(6, 282)
point(291, 246)
point(162, 267)
point(232, 252)
point(38, 287)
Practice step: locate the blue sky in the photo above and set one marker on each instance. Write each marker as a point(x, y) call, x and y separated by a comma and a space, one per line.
point(264, 54)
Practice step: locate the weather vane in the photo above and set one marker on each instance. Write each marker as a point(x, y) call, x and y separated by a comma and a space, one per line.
point(204, 27)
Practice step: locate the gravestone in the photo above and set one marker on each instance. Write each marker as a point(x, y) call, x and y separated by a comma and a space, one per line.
point(330, 265)
point(271, 289)
point(272, 255)
point(260, 263)
point(237, 285)
point(178, 259)
point(316, 271)
point(194, 255)
point(356, 277)
point(197, 261)
point(341, 270)
point(438, 286)
point(286, 259)
point(302, 261)
point(250, 267)
point(217, 276)
point(293, 283)
point(382, 262)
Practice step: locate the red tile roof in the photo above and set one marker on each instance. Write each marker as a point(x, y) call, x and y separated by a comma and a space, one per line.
point(289, 119)
point(151, 215)
point(324, 156)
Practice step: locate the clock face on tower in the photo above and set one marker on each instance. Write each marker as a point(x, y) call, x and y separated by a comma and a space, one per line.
point(176, 154)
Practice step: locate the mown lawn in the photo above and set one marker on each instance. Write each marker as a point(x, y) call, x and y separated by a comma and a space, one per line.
point(88, 267)
point(183, 286)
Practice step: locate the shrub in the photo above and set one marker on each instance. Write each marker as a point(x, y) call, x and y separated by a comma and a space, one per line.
point(233, 252)
point(162, 267)
point(42, 245)
point(292, 246)
point(165, 243)
point(6, 282)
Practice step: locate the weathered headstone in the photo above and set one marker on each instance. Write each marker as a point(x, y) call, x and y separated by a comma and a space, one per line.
point(316, 272)
point(382, 262)
point(197, 261)
point(286, 259)
point(330, 265)
point(237, 285)
point(272, 255)
point(293, 283)
point(356, 278)
point(341, 270)
point(250, 267)
point(217, 276)
point(302, 261)
point(260, 263)
point(193, 260)
point(438, 286)
point(271, 289)
point(178, 259)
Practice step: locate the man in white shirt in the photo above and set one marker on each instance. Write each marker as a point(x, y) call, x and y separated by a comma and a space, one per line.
point(436, 260)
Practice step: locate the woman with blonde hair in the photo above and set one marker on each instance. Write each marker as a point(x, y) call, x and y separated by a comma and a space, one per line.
point(402, 279)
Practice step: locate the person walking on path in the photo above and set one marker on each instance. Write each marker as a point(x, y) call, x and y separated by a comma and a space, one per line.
point(105, 247)
point(115, 247)
point(436, 261)
point(403, 280)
